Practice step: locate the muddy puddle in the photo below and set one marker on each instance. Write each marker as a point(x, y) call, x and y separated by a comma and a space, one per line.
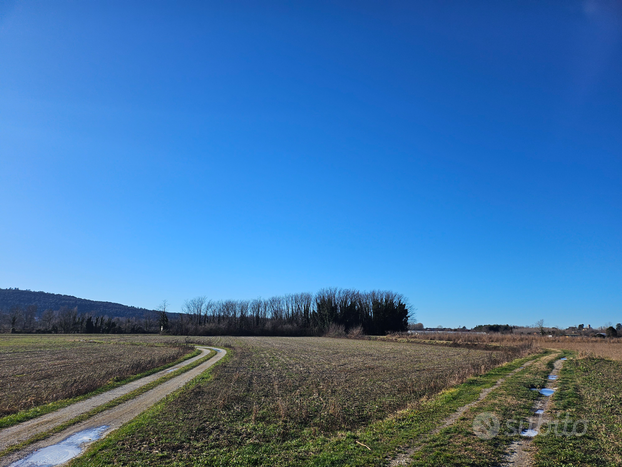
point(61, 452)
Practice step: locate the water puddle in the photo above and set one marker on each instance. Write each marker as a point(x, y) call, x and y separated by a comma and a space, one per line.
point(172, 369)
point(552, 377)
point(563, 359)
point(61, 452)
point(547, 392)
point(529, 433)
point(539, 412)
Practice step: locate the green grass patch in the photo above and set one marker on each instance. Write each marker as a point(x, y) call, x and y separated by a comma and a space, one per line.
point(587, 407)
point(511, 403)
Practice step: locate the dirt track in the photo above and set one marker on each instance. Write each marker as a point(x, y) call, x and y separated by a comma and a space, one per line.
point(113, 418)
point(405, 458)
point(521, 453)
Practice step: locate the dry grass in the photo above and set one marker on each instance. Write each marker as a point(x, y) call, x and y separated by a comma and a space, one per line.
point(586, 346)
point(291, 390)
point(589, 389)
point(517, 345)
point(35, 370)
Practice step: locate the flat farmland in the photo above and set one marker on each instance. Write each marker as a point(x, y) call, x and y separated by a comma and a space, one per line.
point(592, 347)
point(273, 399)
point(36, 370)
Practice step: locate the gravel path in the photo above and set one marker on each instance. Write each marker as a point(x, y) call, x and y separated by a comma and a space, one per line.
point(112, 418)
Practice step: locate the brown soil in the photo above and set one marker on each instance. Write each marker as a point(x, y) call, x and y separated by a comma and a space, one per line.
point(114, 418)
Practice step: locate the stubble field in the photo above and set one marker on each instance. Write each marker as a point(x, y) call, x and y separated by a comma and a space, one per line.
point(326, 401)
point(36, 370)
point(276, 400)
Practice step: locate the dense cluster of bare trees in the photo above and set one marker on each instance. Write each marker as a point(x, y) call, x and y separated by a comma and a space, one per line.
point(376, 312)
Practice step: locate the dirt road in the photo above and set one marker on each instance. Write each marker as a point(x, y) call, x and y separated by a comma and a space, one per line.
point(106, 421)
point(521, 453)
point(405, 457)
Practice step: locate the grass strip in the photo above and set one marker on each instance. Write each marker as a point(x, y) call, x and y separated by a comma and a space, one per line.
point(368, 446)
point(511, 404)
point(113, 403)
point(586, 407)
point(29, 414)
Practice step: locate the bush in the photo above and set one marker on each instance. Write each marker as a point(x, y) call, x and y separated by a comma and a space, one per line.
point(335, 330)
point(356, 332)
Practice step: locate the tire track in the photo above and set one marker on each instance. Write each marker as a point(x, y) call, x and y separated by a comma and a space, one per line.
point(110, 419)
point(24, 431)
point(405, 457)
point(521, 453)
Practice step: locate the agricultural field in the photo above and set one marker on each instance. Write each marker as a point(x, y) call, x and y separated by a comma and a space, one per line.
point(36, 370)
point(283, 401)
point(594, 347)
point(374, 401)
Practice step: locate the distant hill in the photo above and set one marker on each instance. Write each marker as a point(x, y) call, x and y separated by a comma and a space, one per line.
point(24, 298)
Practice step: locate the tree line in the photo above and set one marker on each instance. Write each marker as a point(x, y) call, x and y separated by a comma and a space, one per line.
point(376, 312)
point(334, 310)
point(66, 320)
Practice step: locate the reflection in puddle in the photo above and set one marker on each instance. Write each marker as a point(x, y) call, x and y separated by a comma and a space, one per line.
point(563, 358)
point(61, 452)
point(529, 433)
point(172, 369)
point(547, 392)
point(539, 412)
point(552, 377)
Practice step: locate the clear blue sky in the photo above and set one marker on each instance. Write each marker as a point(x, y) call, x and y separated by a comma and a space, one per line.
point(465, 154)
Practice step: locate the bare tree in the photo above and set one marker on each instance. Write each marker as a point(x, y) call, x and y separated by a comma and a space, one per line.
point(16, 315)
point(29, 318)
point(48, 318)
point(67, 319)
point(195, 309)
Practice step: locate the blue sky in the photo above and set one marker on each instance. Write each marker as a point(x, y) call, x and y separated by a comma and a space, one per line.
point(465, 154)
